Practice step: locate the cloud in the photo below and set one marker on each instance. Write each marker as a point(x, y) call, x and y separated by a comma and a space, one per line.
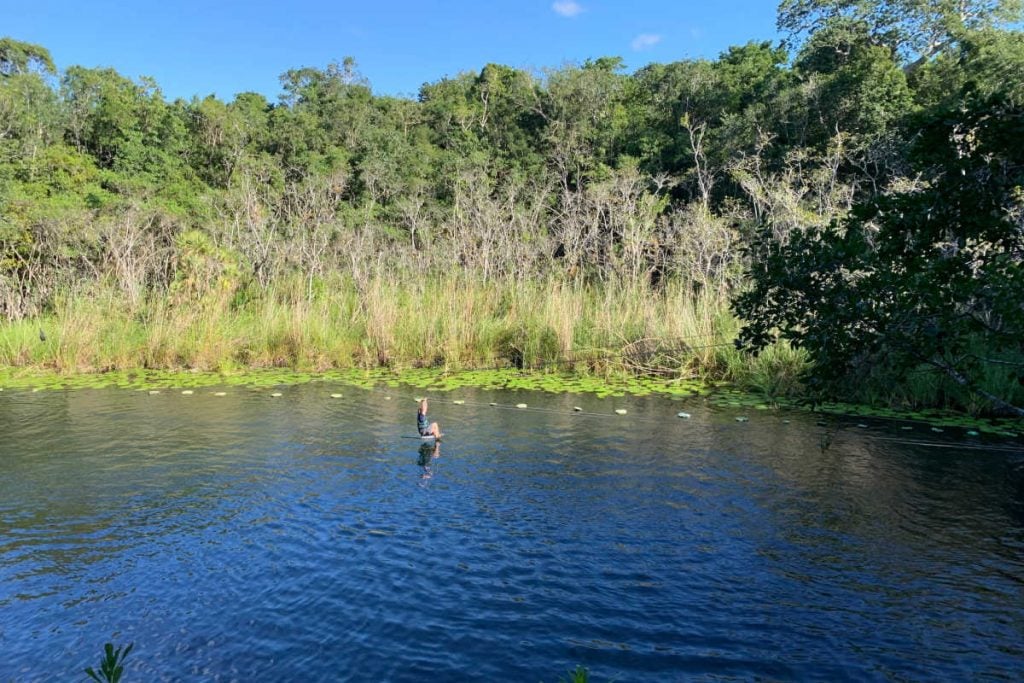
point(645, 41)
point(567, 8)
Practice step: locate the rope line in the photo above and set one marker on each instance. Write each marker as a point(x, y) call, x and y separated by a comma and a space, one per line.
point(583, 413)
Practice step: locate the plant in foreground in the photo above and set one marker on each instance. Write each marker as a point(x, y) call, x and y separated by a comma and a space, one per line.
point(112, 664)
point(578, 675)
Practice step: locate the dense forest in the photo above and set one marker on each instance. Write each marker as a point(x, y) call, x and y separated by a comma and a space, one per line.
point(848, 203)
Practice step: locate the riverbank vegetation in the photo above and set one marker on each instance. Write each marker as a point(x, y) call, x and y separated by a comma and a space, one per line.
point(853, 194)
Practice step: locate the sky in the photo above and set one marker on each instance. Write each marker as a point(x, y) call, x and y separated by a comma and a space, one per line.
point(223, 47)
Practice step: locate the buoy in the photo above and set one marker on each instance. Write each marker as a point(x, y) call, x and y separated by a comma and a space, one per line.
point(458, 402)
point(685, 416)
point(387, 398)
point(785, 422)
point(862, 426)
point(332, 395)
point(187, 392)
point(936, 430)
point(577, 409)
point(494, 404)
point(220, 393)
point(276, 394)
point(152, 392)
point(520, 405)
point(971, 432)
point(742, 419)
point(620, 411)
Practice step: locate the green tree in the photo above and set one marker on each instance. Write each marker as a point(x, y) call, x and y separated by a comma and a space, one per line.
point(915, 29)
point(857, 87)
point(929, 277)
point(17, 57)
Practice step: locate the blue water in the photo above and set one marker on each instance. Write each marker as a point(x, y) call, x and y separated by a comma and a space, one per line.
point(251, 538)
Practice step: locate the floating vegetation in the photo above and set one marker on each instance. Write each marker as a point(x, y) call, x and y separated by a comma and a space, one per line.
point(720, 395)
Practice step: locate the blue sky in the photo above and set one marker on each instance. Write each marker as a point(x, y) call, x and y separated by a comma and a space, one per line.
point(199, 47)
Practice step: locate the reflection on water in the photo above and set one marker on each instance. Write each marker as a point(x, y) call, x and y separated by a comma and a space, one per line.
point(248, 538)
point(428, 453)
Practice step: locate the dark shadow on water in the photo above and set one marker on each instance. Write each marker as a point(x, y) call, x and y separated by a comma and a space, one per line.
point(428, 452)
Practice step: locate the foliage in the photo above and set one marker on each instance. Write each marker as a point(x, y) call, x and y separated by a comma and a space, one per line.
point(17, 57)
point(913, 277)
point(112, 664)
point(915, 29)
point(585, 176)
point(577, 675)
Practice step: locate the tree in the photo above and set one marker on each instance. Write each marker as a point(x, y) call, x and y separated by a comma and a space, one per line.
point(17, 57)
point(857, 86)
point(917, 30)
point(930, 277)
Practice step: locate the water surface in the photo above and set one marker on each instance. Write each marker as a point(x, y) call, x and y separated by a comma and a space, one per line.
point(245, 537)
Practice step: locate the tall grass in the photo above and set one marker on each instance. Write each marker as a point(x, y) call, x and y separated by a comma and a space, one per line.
point(452, 321)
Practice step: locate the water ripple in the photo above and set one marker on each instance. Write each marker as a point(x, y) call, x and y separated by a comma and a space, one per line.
point(239, 538)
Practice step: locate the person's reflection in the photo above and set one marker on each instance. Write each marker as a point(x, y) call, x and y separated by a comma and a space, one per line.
point(428, 453)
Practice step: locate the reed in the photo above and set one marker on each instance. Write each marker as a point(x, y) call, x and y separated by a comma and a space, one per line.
point(453, 321)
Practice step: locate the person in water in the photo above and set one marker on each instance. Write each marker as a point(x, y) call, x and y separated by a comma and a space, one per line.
point(425, 426)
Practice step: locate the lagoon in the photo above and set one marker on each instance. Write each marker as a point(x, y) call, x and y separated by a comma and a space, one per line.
point(247, 536)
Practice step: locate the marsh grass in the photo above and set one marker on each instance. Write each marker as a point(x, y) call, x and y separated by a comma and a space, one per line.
point(453, 322)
